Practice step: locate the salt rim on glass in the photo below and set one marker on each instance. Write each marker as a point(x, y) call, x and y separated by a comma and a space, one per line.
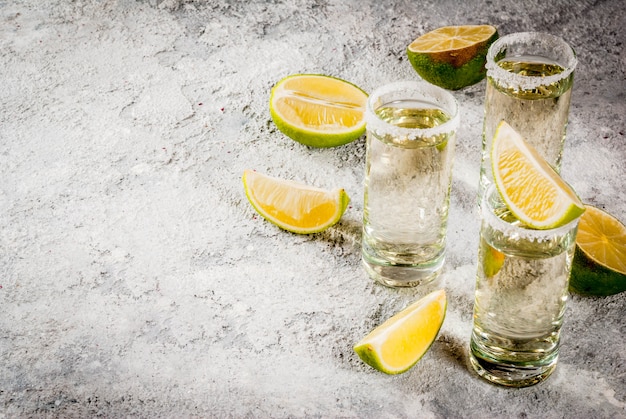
point(543, 41)
point(413, 90)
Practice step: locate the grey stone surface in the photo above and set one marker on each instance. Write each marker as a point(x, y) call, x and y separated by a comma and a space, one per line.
point(135, 278)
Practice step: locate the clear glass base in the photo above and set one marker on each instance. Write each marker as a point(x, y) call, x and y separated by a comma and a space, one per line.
point(397, 275)
point(516, 369)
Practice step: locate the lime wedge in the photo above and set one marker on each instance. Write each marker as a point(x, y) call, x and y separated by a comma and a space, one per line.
point(599, 266)
point(397, 344)
point(294, 206)
point(530, 187)
point(492, 259)
point(452, 57)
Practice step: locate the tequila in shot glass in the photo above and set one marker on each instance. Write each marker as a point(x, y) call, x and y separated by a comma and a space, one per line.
point(529, 85)
point(411, 135)
point(521, 292)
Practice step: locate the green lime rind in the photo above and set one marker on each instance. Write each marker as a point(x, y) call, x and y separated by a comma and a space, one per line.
point(313, 138)
point(345, 201)
point(446, 75)
point(591, 278)
point(368, 355)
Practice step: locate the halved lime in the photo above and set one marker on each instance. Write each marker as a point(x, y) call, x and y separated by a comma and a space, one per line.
point(599, 266)
point(452, 57)
point(318, 110)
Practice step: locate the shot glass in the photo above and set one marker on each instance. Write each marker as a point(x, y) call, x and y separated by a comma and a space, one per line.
point(411, 135)
point(529, 85)
point(521, 292)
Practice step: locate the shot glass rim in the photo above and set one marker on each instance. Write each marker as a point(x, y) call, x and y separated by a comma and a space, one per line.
point(419, 90)
point(524, 232)
point(522, 81)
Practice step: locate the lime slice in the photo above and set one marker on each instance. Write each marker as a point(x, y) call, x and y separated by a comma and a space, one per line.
point(599, 266)
point(452, 57)
point(402, 340)
point(318, 110)
point(530, 187)
point(492, 259)
point(293, 206)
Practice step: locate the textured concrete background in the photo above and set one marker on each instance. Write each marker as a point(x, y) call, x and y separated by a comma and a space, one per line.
point(135, 278)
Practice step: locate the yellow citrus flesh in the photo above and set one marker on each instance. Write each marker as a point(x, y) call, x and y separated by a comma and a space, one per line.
point(599, 266)
point(451, 38)
point(531, 188)
point(397, 344)
point(603, 238)
point(318, 110)
point(452, 57)
point(294, 206)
